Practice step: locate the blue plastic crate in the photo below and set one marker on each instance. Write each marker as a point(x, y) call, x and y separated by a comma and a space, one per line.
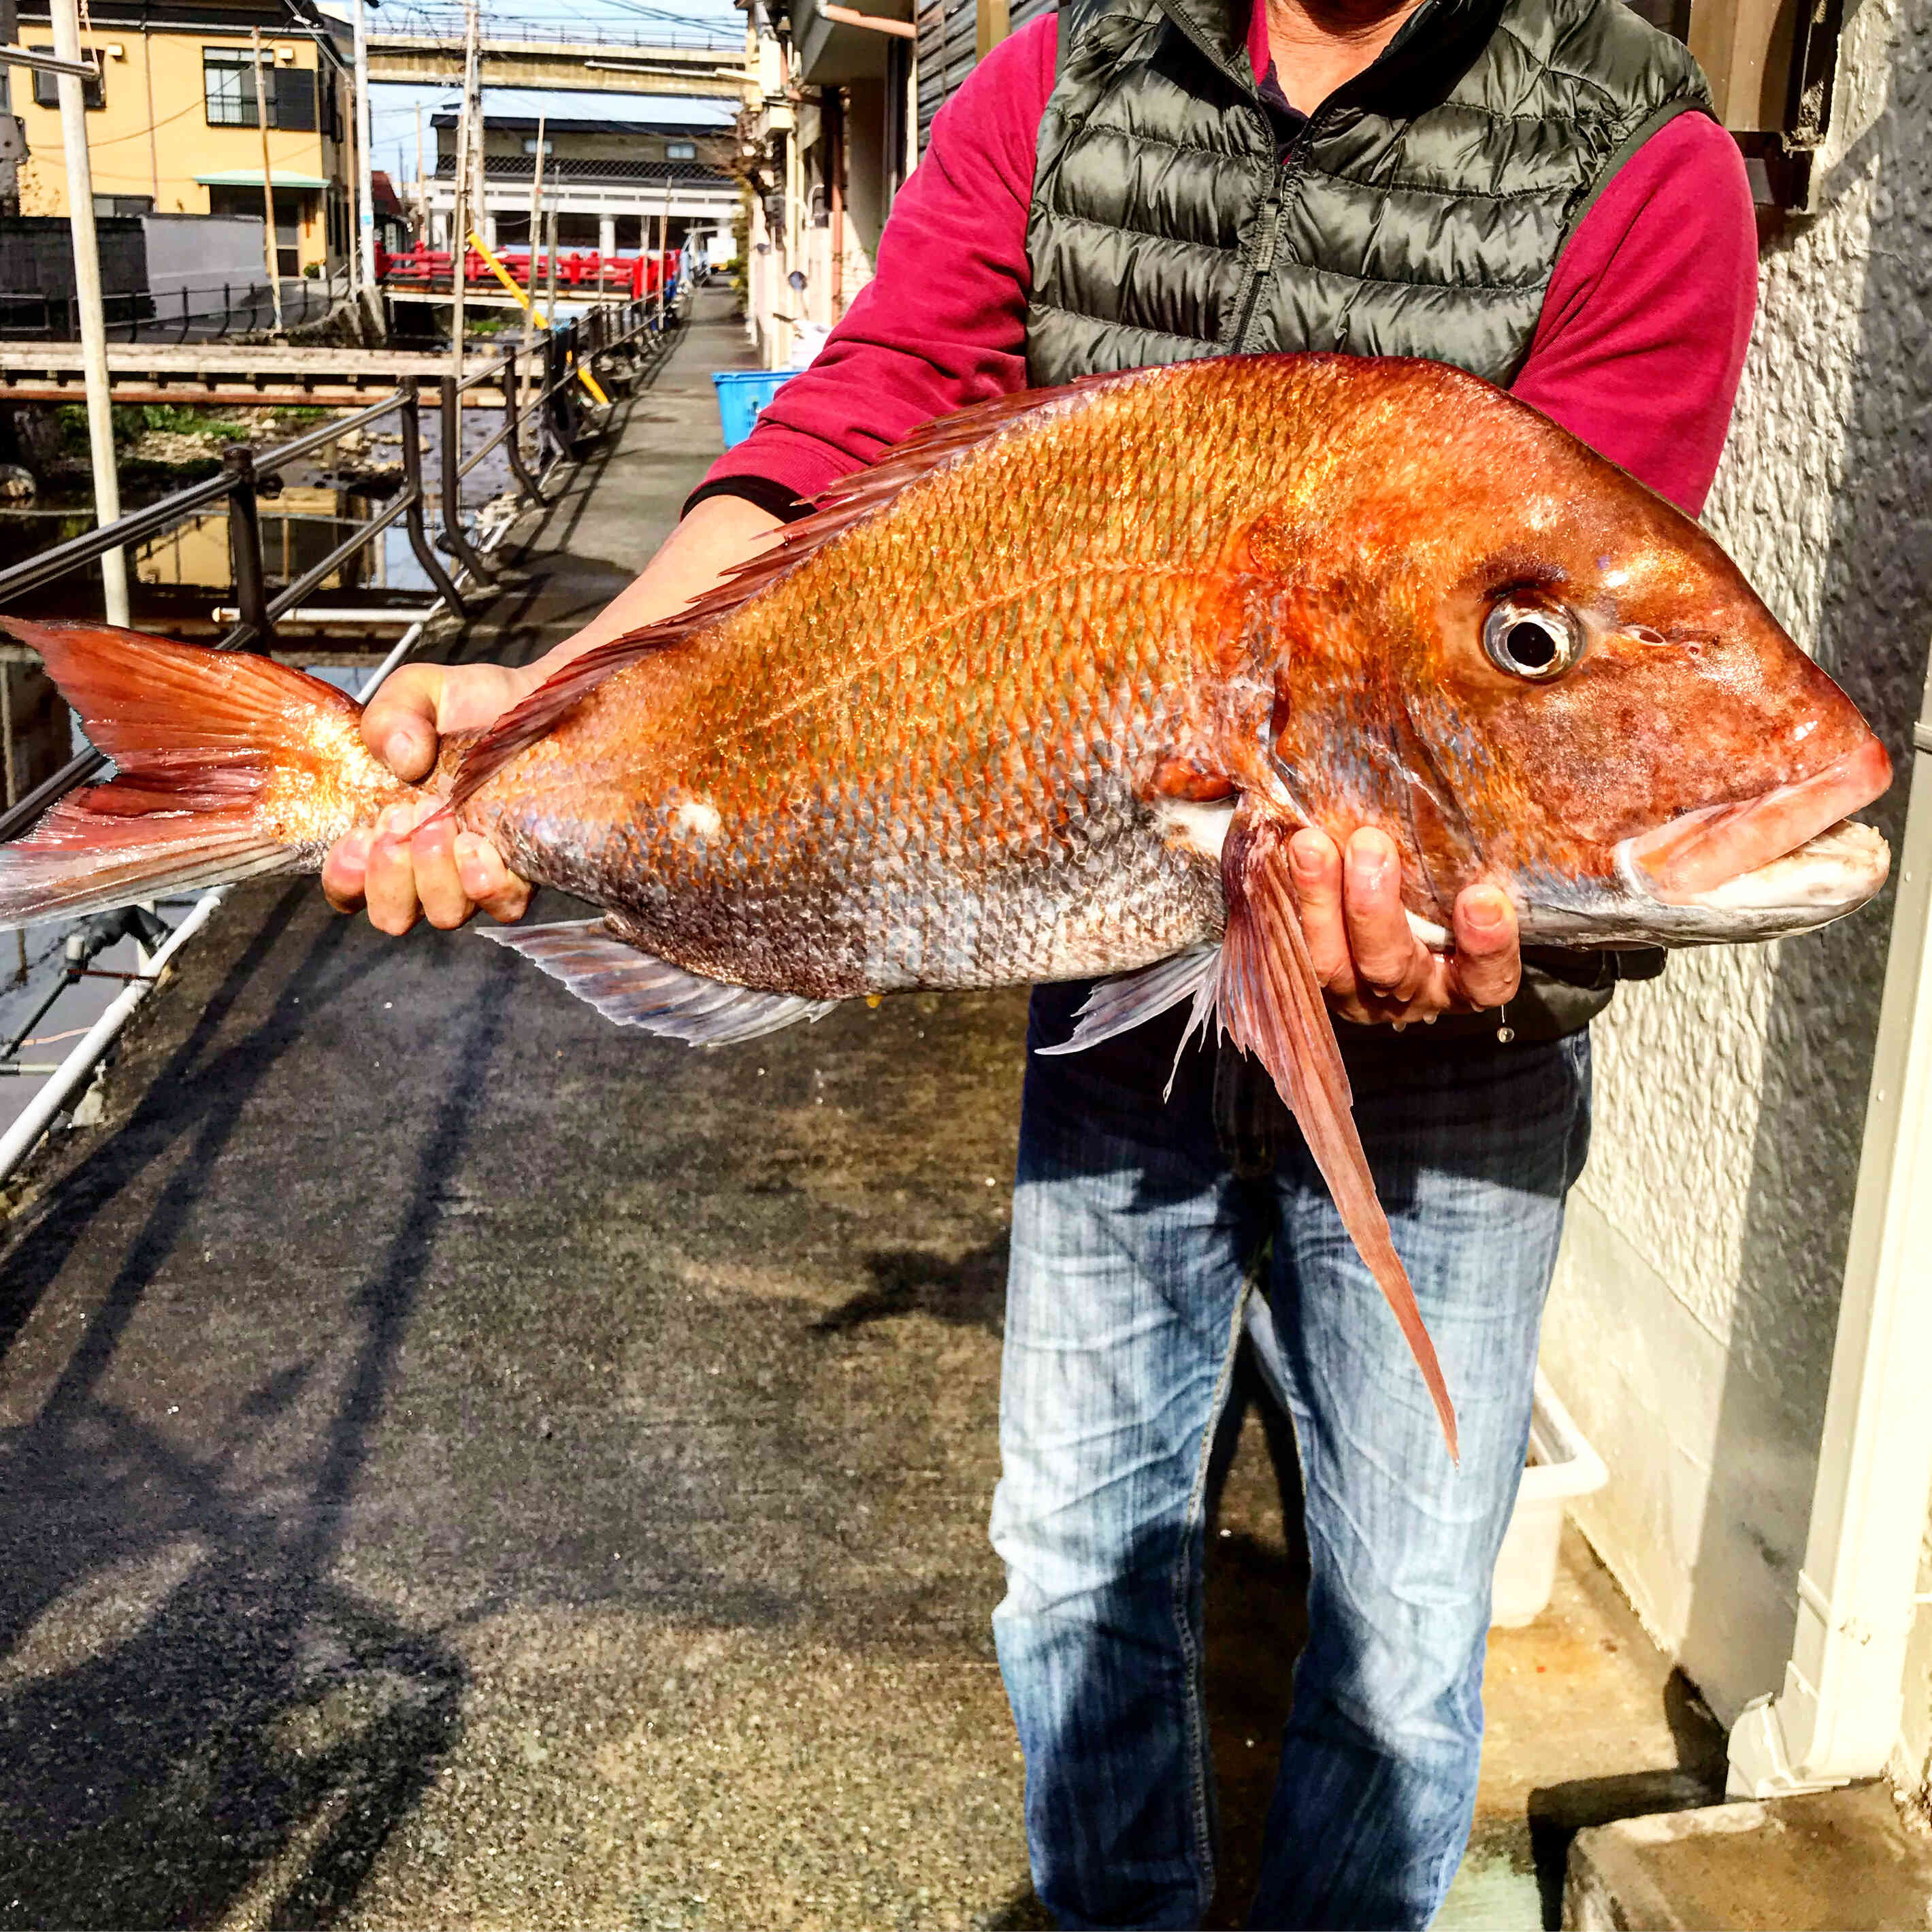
point(742, 393)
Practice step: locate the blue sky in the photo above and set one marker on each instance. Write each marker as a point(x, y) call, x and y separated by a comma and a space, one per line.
point(393, 109)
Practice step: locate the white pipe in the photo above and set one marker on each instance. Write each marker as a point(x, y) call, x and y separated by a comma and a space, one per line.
point(1837, 1717)
point(66, 17)
point(20, 1138)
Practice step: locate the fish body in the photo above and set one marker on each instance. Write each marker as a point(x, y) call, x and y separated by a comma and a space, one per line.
point(1044, 695)
point(986, 720)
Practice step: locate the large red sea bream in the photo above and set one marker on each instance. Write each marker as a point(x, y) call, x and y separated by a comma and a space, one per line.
point(1044, 695)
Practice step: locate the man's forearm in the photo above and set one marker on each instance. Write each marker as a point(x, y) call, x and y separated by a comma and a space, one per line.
point(720, 533)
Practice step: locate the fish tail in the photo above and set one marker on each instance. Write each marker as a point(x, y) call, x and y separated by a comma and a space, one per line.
point(226, 767)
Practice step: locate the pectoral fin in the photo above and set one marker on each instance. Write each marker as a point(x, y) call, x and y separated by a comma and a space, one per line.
point(1271, 1005)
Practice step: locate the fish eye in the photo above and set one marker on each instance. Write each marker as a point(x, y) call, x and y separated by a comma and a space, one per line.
point(1531, 640)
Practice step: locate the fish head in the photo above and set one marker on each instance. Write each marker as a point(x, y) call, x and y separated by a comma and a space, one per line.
point(1577, 694)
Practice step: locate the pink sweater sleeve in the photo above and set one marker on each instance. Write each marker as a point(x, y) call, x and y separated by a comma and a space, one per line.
point(943, 323)
point(1641, 341)
point(1638, 349)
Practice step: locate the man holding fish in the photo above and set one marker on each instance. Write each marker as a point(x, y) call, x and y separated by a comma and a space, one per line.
point(1531, 190)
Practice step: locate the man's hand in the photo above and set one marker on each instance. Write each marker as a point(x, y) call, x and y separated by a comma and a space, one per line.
point(1371, 966)
point(444, 875)
point(440, 874)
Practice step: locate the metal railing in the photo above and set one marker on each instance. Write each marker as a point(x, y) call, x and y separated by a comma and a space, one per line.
point(667, 29)
point(551, 409)
point(206, 312)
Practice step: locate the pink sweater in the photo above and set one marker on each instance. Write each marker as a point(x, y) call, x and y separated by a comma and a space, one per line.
point(1637, 351)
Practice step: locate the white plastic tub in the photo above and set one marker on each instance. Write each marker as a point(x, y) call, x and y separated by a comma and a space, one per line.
point(1561, 1464)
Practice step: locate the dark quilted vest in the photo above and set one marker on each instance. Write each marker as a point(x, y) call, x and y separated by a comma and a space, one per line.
point(1419, 211)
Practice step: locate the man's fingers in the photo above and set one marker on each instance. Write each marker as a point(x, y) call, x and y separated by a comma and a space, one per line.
point(389, 879)
point(439, 887)
point(343, 870)
point(400, 725)
point(1315, 868)
point(1388, 957)
point(488, 881)
point(1488, 966)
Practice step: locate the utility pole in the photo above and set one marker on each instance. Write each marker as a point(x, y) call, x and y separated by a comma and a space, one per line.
point(422, 187)
point(154, 143)
point(535, 242)
point(87, 291)
point(365, 185)
point(272, 252)
point(459, 238)
point(663, 246)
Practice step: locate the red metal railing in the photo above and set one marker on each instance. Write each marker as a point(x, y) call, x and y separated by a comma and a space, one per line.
point(635, 276)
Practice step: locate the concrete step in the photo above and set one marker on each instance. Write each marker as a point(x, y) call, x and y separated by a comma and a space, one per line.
point(1829, 1858)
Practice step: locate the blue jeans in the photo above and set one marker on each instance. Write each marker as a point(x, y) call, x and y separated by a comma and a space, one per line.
point(1135, 1246)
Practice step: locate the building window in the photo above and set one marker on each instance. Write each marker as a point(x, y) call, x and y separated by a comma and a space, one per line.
point(530, 146)
point(228, 83)
point(680, 151)
point(46, 86)
point(124, 204)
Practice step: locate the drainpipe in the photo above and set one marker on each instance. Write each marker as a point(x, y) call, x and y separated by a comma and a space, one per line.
point(1837, 1717)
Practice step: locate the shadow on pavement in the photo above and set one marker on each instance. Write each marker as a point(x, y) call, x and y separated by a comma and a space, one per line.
point(194, 1716)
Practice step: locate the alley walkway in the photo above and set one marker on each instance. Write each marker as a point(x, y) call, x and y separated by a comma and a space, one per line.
point(464, 1465)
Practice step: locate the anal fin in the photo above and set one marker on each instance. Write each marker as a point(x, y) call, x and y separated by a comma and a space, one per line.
point(636, 989)
point(1271, 1005)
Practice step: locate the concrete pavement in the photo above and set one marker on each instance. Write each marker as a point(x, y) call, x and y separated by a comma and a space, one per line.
point(461, 1464)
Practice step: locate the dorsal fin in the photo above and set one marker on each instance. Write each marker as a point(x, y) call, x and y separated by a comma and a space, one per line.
point(848, 502)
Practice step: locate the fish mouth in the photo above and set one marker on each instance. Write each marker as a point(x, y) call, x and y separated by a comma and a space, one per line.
point(1735, 854)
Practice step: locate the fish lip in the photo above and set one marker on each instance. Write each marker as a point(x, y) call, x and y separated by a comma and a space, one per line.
point(1833, 872)
point(1688, 857)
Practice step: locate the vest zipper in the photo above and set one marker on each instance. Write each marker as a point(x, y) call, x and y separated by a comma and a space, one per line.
point(1287, 175)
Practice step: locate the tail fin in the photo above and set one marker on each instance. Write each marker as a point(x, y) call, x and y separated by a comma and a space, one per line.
point(227, 766)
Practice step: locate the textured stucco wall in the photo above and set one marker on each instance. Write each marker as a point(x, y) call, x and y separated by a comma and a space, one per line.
point(1692, 1323)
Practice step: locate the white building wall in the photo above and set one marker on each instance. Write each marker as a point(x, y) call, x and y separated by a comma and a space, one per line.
point(1690, 1328)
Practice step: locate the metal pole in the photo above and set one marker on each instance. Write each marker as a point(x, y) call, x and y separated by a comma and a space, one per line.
point(87, 293)
point(365, 185)
point(272, 252)
point(244, 548)
point(550, 268)
point(412, 521)
point(422, 187)
point(530, 276)
point(664, 245)
point(461, 547)
point(513, 443)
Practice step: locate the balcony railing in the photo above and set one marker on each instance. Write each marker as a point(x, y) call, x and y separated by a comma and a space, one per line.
point(575, 168)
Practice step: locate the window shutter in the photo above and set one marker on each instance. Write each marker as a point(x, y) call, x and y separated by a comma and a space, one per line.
point(293, 94)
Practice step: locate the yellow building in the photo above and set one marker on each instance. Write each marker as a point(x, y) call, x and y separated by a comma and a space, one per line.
point(172, 125)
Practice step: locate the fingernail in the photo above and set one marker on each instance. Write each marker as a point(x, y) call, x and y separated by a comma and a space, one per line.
point(1304, 857)
point(1369, 865)
point(399, 749)
point(1485, 911)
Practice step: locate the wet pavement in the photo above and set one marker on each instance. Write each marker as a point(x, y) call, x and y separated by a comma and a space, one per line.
point(461, 1464)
